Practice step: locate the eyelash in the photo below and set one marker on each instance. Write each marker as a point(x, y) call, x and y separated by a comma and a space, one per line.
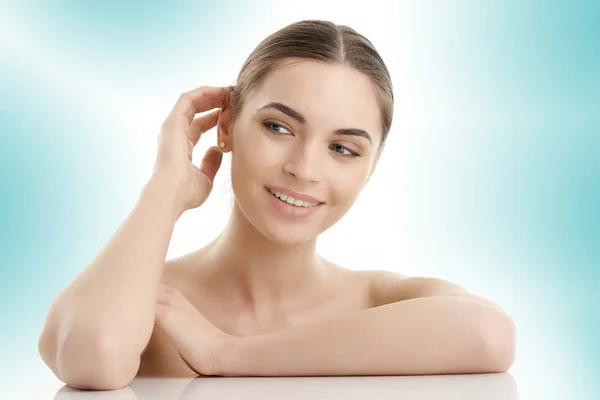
point(351, 155)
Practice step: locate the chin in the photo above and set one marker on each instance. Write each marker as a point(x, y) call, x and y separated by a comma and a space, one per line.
point(284, 234)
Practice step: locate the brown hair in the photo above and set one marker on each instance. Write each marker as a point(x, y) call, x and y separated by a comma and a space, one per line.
point(322, 41)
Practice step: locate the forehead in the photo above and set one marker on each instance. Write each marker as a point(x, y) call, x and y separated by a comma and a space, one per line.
point(329, 96)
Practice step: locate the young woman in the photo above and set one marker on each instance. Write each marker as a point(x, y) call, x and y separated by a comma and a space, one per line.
point(305, 124)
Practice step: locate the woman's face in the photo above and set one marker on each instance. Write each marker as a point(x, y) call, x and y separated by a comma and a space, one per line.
point(304, 151)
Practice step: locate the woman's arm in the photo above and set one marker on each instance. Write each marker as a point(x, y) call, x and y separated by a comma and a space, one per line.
point(98, 326)
point(427, 335)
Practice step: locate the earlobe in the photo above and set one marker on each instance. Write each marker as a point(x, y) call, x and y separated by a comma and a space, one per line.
point(222, 141)
point(223, 126)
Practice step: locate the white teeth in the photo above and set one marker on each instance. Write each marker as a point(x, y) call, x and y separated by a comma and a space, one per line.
point(292, 201)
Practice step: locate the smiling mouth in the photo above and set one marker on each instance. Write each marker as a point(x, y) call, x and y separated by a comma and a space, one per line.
point(292, 201)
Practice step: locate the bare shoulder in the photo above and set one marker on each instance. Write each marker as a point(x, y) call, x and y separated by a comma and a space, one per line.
point(389, 286)
point(376, 278)
point(376, 275)
point(367, 282)
point(367, 278)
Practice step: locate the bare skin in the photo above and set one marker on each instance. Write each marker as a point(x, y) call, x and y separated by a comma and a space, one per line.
point(341, 291)
point(131, 313)
point(263, 273)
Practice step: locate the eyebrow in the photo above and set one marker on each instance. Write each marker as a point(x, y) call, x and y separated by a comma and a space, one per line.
point(300, 118)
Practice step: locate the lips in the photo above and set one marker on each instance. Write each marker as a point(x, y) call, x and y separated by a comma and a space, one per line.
point(294, 194)
point(290, 211)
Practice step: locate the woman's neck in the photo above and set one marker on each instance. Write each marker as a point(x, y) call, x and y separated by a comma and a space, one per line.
point(261, 276)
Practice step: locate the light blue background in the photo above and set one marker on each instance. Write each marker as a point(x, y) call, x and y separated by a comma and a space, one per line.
point(516, 90)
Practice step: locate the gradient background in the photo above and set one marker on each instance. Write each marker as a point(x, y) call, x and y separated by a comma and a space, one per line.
point(490, 179)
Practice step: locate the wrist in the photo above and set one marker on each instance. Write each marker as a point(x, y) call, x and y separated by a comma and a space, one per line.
point(167, 193)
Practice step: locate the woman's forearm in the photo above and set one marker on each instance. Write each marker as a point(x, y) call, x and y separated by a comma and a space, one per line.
point(429, 335)
point(109, 306)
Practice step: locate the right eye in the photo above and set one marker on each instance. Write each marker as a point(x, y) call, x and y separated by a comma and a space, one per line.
point(272, 127)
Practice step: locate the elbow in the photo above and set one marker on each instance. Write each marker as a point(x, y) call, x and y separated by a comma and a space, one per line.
point(92, 362)
point(498, 344)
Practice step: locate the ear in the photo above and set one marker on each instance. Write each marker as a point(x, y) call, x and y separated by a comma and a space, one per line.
point(224, 129)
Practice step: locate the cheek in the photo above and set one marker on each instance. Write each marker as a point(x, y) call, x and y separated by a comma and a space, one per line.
point(252, 159)
point(346, 186)
point(256, 153)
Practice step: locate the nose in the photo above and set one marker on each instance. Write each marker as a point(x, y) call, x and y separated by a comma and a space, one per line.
point(303, 163)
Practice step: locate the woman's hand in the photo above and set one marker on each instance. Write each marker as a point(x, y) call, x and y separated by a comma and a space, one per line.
point(197, 340)
point(179, 134)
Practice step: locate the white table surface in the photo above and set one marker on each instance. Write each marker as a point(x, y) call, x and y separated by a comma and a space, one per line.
point(448, 387)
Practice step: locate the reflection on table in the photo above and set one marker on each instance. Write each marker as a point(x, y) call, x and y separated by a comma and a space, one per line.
point(448, 387)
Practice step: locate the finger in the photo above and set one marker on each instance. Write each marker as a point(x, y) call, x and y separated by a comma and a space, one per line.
point(201, 125)
point(166, 288)
point(211, 162)
point(166, 294)
point(198, 100)
point(164, 298)
point(162, 315)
